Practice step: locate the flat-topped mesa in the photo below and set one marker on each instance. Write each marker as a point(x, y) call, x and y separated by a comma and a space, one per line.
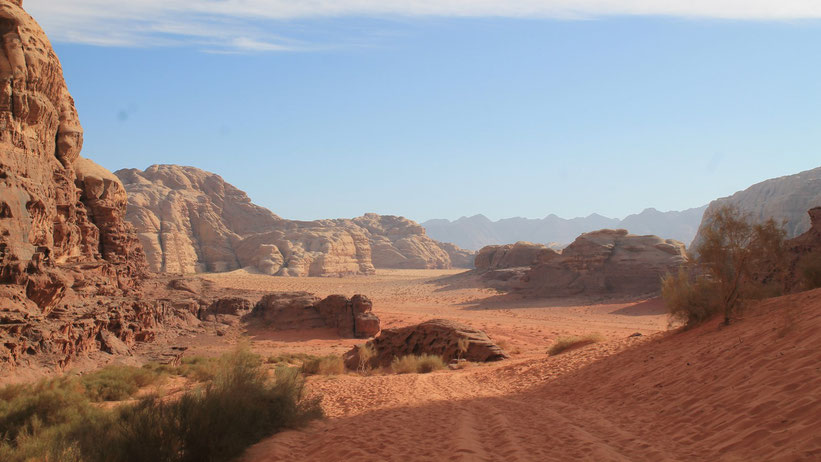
point(515, 255)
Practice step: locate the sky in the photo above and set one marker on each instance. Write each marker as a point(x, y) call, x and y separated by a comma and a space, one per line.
point(449, 108)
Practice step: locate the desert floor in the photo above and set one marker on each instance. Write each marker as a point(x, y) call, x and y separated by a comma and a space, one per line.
point(750, 391)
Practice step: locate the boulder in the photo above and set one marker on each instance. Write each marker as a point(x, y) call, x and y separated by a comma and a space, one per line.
point(230, 305)
point(352, 318)
point(439, 337)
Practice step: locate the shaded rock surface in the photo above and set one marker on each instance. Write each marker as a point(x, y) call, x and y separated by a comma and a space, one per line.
point(786, 198)
point(192, 221)
point(601, 262)
point(300, 310)
point(439, 337)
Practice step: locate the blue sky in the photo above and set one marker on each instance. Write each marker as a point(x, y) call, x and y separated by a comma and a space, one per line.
point(324, 114)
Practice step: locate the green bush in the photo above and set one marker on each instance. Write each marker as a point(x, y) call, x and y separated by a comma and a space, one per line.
point(568, 343)
point(55, 419)
point(417, 364)
point(116, 383)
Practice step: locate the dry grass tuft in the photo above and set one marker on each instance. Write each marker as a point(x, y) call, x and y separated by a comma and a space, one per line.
point(568, 343)
point(326, 365)
point(417, 364)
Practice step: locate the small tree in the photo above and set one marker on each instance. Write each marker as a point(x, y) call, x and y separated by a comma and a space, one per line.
point(735, 260)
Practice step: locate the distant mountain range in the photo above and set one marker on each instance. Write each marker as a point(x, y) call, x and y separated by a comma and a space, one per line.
point(478, 231)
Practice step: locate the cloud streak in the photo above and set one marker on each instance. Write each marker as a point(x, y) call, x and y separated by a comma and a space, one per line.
point(244, 25)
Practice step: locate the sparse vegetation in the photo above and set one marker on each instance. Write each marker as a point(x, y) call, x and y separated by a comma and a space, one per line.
point(325, 365)
point(735, 261)
point(366, 353)
point(286, 359)
point(568, 343)
point(462, 347)
point(117, 382)
point(56, 420)
point(811, 273)
point(417, 364)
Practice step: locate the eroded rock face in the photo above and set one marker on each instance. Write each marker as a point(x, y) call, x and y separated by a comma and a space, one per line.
point(439, 337)
point(601, 262)
point(192, 221)
point(69, 263)
point(353, 318)
point(784, 199)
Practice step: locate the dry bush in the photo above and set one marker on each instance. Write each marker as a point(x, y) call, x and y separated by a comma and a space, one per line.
point(568, 343)
point(417, 364)
point(689, 299)
point(735, 261)
point(326, 365)
point(365, 353)
point(810, 270)
point(290, 358)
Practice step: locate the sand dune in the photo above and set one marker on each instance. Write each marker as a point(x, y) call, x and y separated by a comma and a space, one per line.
point(750, 391)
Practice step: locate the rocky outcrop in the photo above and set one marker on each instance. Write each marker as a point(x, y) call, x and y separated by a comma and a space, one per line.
point(70, 266)
point(520, 254)
point(601, 262)
point(352, 318)
point(784, 199)
point(192, 221)
point(804, 256)
point(439, 337)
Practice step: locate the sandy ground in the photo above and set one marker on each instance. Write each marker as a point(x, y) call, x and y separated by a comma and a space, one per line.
point(750, 391)
point(404, 297)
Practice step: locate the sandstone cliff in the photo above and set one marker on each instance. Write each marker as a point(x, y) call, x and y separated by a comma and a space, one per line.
point(192, 221)
point(63, 239)
point(785, 199)
point(804, 256)
point(601, 262)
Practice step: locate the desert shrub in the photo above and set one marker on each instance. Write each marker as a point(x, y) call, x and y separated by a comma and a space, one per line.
point(735, 260)
point(689, 299)
point(290, 358)
point(811, 273)
point(325, 365)
point(117, 382)
point(200, 368)
point(417, 364)
point(365, 353)
point(55, 419)
point(568, 343)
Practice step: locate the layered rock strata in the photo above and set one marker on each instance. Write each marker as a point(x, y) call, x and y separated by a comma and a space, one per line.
point(192, 221)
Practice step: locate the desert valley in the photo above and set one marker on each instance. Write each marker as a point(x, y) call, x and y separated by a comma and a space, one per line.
point(161, 314)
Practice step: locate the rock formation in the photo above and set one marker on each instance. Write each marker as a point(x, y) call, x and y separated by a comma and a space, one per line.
point(520, 254)
point(785, 199)
point(439, 337)
point(63, 239)
point(300, 310)
point(601, 262)
point(804, 256)
point(192, 221)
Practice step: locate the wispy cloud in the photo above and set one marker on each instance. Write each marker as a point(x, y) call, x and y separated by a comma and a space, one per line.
point(245, 25)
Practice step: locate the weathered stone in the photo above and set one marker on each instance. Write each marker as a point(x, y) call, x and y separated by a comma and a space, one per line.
point(301, 310)
point(439, 337)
